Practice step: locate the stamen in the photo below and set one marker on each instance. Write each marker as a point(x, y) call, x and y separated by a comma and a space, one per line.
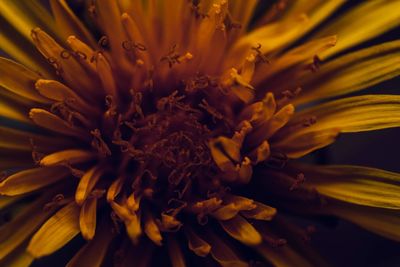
point(230, 24)
point(195, 8)
point(310, 121)
point(277, 160)
point(297, 182)
point(129, 46)
point(260, 57)
point(104, 42)
point(99, 144)
point(173, 57)
point(58, 200)
point(36, 156)
point(211, 110)
point(315, 65)
point(53, 61)
point(75, 172)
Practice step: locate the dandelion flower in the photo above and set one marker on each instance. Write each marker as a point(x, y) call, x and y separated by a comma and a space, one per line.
point(173, 128)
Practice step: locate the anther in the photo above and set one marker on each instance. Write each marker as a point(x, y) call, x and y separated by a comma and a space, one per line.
point(36, 156)
point(81, 55)
point(310, 121)
point(260, 57)
point(65, 54)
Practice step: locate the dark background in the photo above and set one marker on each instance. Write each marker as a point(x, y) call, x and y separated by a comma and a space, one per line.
point(345, 244)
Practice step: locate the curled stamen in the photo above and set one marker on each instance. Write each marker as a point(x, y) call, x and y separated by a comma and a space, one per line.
point(99, 144)
point(75, 172)
point(111, 107)
point(104, 42)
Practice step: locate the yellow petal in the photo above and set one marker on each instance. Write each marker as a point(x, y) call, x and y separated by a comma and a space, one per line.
point(70, 156)
point(302, 143)
point(64, 62)
point(109, 16)
point(278, 35)
point(13, 111)
point(260, 212)
point(196, 244)
point(19, 258)
point(106, 76)
point(299, 55)
point(6, 201)
point(56, 232)
point(24, 16)
point(54, 123)
point(270, 127)
point(115, 188)
point(20, 228)
point(383, 14)
point(151, 229)
point(223, 254)
point(175, 253)
point(20, 140)
point(93, 253)
point(242, 12)
point(358, 185)
point(19, 80)
point(30, 180)
point(68, 23)
point(87, 184)
point(351, 114)
point(232, 206)
point(141, 255)
point(21, 49)
point(133, 228)
point(351, 72)
point(382, 222)
point(87, 218)
point(282, 256)
point(260, 153)
point(59, 92)
point(240, 229)
point(84, 51)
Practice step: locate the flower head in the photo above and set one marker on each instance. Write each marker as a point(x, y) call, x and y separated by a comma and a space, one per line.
point(177, 130)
